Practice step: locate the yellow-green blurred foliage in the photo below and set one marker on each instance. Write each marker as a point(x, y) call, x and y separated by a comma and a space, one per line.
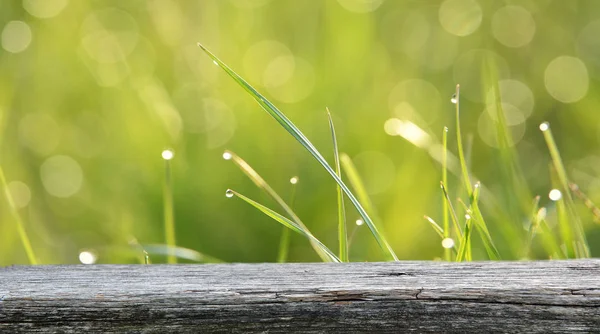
point(91, 93)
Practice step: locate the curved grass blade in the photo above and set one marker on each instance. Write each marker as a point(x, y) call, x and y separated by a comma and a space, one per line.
point(287, 223)
point(299, 136)
point(342, 229)
point(18, 222)
point(437, 228)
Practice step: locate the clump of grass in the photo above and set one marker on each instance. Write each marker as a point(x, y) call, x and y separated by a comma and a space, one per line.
point(571, 229)
point(17, 219)
point(301, 138)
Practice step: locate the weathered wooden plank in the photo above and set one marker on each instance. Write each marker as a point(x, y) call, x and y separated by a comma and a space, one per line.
point(545, 297)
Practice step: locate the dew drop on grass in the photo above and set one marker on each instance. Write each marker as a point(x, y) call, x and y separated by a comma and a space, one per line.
point(227, 155)
point(448, 243)
point(555, 195)
point(87, 257)
point(294, 180)
point(467, 216)
point(359, 222)
point(167, 154)
point(544, 126)
point(215, 62)
point(445, 129)
point(229, 193)
point(454, 99)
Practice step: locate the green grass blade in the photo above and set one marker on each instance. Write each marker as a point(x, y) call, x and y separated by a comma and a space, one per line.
point(287, 223)
point(580, 242)
point(357, 183)
point(264, 186)
point(447, 253)
point(284, 241)
point(18, 222)
point(461, 153)
point(457, 229)
point(299, 136)
point(549, 241)
point(463, 249)
point(168, 207)
point(180, 252)
point(437, 228)
point(533, 227)
point(342, 229)
point(481, 226)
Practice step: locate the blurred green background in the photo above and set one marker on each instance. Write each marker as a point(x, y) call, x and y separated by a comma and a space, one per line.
point(91, 93)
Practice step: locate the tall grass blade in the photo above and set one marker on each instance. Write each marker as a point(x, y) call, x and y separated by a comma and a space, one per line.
point(357, 184)
point(447, 253)
point(18, 222)
point(463, 249)
point(264, 186)
point(549, 241)
point(580, 242)
point(461, 154)
point(301, 138)
point(287, 223)
point(457, 229)
point(284, 241)
point(481, 226)
point(168, 207)
point(342, 229)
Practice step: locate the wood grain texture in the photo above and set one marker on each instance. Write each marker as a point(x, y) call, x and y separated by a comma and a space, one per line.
point(544, 297)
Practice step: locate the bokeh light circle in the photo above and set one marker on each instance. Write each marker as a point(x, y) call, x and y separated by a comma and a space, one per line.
point(566, 79)
point(61, 176)
point(513, 26)
point(460, 17)
point(16, 36)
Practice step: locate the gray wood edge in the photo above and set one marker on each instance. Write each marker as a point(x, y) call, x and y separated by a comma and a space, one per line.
point(541, 296)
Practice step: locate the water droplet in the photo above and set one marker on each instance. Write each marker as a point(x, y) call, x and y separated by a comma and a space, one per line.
point(555, 195)
point(229, 193)
point(215, 62)
point(445, 129)
point(544, 126)
point(359, 222)
point(294, 180)
point(467, 216)
point(227, 155)
point(478, 184)
point(448, 243)
point(87, 257)
point(454, 99)
point(167, 154)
